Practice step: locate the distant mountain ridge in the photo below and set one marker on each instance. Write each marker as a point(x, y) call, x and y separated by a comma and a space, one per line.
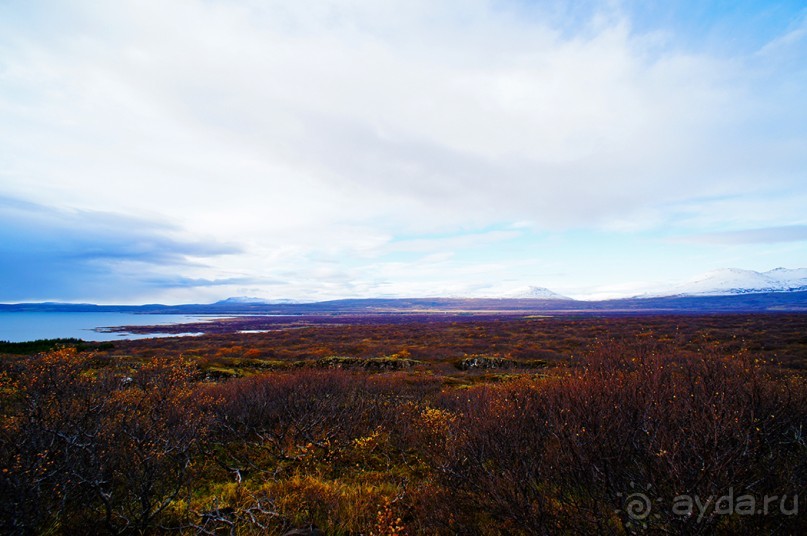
point(724, 290)
point(792, 301)
point(733, 281)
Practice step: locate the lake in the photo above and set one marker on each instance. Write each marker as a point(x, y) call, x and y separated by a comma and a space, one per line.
point(29, 326)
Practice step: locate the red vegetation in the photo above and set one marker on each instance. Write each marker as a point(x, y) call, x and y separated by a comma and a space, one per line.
point(85, 446)
point(91, 443)
point(447, 338)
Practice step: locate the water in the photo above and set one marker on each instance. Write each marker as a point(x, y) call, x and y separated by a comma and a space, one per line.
point(29, 326)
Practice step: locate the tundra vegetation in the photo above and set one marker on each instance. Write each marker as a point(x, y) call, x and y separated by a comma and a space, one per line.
point(424, 426)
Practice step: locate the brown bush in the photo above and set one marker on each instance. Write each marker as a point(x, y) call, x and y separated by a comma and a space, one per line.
point(88, 444)
point(82, 448)
point(558, 455)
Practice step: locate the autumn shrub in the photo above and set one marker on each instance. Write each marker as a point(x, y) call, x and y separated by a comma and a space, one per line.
point(93, 444)
point(51, 413)
point(147, 442)
point(489, 444)
point(675, 423)
point(559, 455)
point(84, 448)
point(269, 418)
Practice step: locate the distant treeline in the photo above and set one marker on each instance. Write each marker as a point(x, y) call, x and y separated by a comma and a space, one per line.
point(45, 345)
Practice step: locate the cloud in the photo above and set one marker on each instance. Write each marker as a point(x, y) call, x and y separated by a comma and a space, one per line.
point(465, 107)
point(441, 244)
point(53, 252)
point(95, 235)
point(197, 282)
point(319, 135)
point(769, 235)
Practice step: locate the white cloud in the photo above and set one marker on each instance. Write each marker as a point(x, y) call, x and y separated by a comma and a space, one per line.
point(314, 130)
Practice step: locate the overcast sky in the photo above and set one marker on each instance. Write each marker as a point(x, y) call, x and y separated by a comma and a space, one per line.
point(190, 150)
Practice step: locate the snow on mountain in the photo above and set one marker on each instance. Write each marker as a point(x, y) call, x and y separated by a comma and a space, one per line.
point(537, 293)
point(798, 275)
point(246, 300)
point(240, 300)
point(729, 281)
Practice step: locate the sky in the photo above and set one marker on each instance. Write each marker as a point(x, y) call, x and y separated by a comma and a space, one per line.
point(192, 150)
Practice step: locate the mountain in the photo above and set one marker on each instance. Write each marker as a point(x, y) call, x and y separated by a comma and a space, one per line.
point(726, 290)
point(732, 281)
point(741, 300)
point(246, 300)
point(537, 293)
point(240, 300)
point(686, 304)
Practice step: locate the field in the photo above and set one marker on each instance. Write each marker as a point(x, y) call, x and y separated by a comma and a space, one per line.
point(413, 424)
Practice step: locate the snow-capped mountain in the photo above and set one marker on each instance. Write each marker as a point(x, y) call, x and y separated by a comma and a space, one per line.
point(537, 293)
point(246, 300)
point(240, 300)
point(729, 281)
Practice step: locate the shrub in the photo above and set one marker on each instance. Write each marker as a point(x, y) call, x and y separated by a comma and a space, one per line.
point(82, 448)
point(546, 456)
